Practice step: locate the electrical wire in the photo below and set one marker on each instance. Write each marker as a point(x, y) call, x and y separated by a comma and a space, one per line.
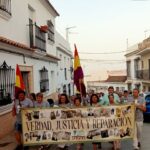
point(103, 52)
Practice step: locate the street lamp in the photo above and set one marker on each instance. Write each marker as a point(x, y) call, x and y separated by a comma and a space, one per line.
point(67, 32)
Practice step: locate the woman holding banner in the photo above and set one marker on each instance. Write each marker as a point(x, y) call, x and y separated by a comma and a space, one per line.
point(41, 104)
point(116, 144)
point(20, 102)
point(77, 103)
point(94, 101)
point(63, 102)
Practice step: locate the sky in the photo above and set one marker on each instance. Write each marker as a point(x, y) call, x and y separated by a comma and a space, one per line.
point(103, 26)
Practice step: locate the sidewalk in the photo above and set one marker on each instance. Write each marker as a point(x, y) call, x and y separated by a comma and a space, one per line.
point(8, 142)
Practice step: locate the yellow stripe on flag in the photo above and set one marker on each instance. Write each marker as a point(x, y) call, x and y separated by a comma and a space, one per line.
point(76, 62)
point(18, 84)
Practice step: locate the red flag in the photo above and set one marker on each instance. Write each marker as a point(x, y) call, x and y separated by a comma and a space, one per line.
point(78, 74)
point(19, 86)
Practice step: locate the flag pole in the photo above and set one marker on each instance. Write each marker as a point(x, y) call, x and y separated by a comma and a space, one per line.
point(80, 89)
point(81, 92)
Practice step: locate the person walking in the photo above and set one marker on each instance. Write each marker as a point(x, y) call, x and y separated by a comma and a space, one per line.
point(116, 144)
point(63, 102)
point(40, 102)
point(140, 107)
point(20, 102)
point(77, 104)
point(94, 101)
point(105, 100)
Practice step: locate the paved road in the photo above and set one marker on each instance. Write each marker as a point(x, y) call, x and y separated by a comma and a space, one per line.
point(8, 143)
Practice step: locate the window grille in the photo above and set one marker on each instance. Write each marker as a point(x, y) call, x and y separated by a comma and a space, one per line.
point(44, 81)
point(40, 39)
point(31, 34)
point(5, 5)
point(50, 31)
point(65, 73)
point(7, 83)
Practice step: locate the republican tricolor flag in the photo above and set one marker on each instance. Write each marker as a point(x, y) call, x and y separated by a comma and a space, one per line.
point(78, 74)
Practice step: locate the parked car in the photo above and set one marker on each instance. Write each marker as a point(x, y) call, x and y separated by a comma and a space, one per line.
point(147, 113)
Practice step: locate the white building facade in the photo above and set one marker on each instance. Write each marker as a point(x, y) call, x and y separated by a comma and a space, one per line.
point(65, 67)
point(28, 38)
point(138, 66)
point(133, 64)
point(118, 82)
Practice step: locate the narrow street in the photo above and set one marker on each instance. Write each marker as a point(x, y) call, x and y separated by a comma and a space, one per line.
point(74, 71)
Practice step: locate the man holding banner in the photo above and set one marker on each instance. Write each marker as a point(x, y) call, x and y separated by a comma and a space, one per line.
point(20, 102)
point(140, 108)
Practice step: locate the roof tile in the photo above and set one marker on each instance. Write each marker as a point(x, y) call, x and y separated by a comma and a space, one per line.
point(14, 43)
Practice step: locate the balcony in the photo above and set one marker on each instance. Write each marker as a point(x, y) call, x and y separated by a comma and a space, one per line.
point(5, 5)
point(143, 74)
point(37, 37)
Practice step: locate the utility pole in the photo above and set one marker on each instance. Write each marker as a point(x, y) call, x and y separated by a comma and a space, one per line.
point(146, 32)
point(127, 43)
point(67, 32)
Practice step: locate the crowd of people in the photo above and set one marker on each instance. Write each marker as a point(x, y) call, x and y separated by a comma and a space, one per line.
point(92, 99)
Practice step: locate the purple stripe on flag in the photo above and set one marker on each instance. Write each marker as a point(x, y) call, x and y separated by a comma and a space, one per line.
point(78, 74)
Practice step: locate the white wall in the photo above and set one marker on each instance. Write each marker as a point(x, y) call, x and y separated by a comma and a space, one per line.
point(131, 57)
point(12, 60)
point(63, 50)
point(17, 29)
point(103, 86)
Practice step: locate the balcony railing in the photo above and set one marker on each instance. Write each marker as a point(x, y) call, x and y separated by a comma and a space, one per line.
point(5, 5)
point(143, 74)
point(37, 37)
point(40, 39)
point(7, 82)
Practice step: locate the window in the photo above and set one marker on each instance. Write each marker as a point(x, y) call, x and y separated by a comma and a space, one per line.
point(50, 31)
point(65, 64)
point(25, 76)
point(31, 33)
point(40, 39)
point(61, 63)
point(129, 86)
point(117, 89)
point(69, 90)
point(137, 86)
point(64, 89)
point(71, 73)
point(44, 81)
point(37, 38)
point(5, 5)
point(136, 67)
point(142, 64)
point(65, 73)
point(128, 68)
point(7, 82)
point(53, 78)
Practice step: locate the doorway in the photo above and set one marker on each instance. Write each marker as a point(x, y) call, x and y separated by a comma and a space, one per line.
point(25, 76)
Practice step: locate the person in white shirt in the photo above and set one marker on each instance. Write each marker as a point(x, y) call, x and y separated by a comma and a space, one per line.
point(40, 102)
